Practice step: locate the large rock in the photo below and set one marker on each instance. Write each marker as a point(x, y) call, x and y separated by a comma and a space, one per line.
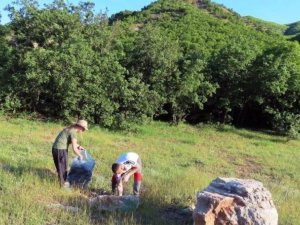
point(231, 201)
point(112, 203)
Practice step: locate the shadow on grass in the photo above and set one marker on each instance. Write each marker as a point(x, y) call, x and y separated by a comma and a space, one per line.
point(23, 169)
point(256, 134)
point(155, 210)
point(145, 214)
point(151, 211)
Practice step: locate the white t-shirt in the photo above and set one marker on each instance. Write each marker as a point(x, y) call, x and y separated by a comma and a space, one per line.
point(128, 159)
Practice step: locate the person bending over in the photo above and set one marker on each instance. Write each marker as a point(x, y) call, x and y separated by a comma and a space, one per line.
point(126, 165)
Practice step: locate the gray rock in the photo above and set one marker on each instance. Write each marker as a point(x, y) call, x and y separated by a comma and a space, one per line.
point(112, 203)
point(233, 201)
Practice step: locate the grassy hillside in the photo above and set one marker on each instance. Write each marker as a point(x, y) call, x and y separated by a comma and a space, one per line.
point(178, 162)
point(293, 28)
point(266, 26)
point(222, 13)
point(197, 25)
point(293, 31)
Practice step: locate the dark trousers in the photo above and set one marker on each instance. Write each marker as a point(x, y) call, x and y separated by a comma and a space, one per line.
point(60, 158)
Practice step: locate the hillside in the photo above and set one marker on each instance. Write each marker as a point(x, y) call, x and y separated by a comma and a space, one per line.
point(226, 14)
point(261, 25)
point(231, 45)
point(182, 62)
point(293, 29)
point(197, 22)
point(178, 161)
point(222, 12)
point(208, 16)
point(192, 61)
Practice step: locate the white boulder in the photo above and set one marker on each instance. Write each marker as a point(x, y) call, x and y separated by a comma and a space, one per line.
point(232, 201)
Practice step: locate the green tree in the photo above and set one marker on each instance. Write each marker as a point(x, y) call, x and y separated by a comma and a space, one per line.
point(229, 70)
point(276, 78)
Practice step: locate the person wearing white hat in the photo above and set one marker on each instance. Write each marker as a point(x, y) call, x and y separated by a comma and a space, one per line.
point(60, 148)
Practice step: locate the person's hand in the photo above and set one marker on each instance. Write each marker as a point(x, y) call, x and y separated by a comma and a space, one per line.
point(80, 148)
point(80, 157)
point(126, 178)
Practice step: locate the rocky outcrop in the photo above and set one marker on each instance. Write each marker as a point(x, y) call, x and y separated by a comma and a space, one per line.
point(231, 201)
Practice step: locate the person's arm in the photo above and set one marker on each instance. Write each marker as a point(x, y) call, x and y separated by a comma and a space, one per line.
point(114, 184)
point(76, 148)
point(117, 185)
point(133, 170)
point(120, 188)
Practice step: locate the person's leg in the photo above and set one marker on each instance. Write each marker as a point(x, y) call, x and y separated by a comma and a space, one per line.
point(55, 158)
point(62, 166)
point(137, 183)
point(138, 179)
point(65, 164)
point(56, 163)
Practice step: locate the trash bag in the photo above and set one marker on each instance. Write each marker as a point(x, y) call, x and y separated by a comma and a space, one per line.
point(81, 171)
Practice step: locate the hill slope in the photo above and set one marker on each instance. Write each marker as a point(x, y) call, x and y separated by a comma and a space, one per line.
point(175, 60)
point(293, 29)
point(200, 23)
point(223, 13)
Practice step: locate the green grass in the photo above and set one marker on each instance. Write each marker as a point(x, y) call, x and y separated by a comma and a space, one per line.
point(178, 161)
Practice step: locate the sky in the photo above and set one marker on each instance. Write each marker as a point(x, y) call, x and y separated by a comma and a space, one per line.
point(278, 11)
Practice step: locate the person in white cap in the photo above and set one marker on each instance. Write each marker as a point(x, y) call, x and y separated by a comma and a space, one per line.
point(60, 148)
point(126, 165)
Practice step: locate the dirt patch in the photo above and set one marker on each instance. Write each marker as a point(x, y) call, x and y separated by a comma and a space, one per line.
point(245, 165)
point(249, 166)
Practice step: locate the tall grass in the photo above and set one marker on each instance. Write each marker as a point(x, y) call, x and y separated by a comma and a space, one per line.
point(178, 161)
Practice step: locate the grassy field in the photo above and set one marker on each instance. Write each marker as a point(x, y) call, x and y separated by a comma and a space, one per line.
point(178, 161)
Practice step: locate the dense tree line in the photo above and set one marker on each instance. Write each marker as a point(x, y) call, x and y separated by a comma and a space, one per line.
point(170, 61)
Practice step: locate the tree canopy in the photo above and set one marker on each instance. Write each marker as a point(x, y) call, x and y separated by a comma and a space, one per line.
point(174, 60)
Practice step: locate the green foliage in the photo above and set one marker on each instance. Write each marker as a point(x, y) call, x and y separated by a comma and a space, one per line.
point(176, 78)
point(73, 70)
point(229, 70)
point(7, 101)
point(277, 82)
point(293, 29)
point(296, 38)
point(176, 60)
point(265, 26)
